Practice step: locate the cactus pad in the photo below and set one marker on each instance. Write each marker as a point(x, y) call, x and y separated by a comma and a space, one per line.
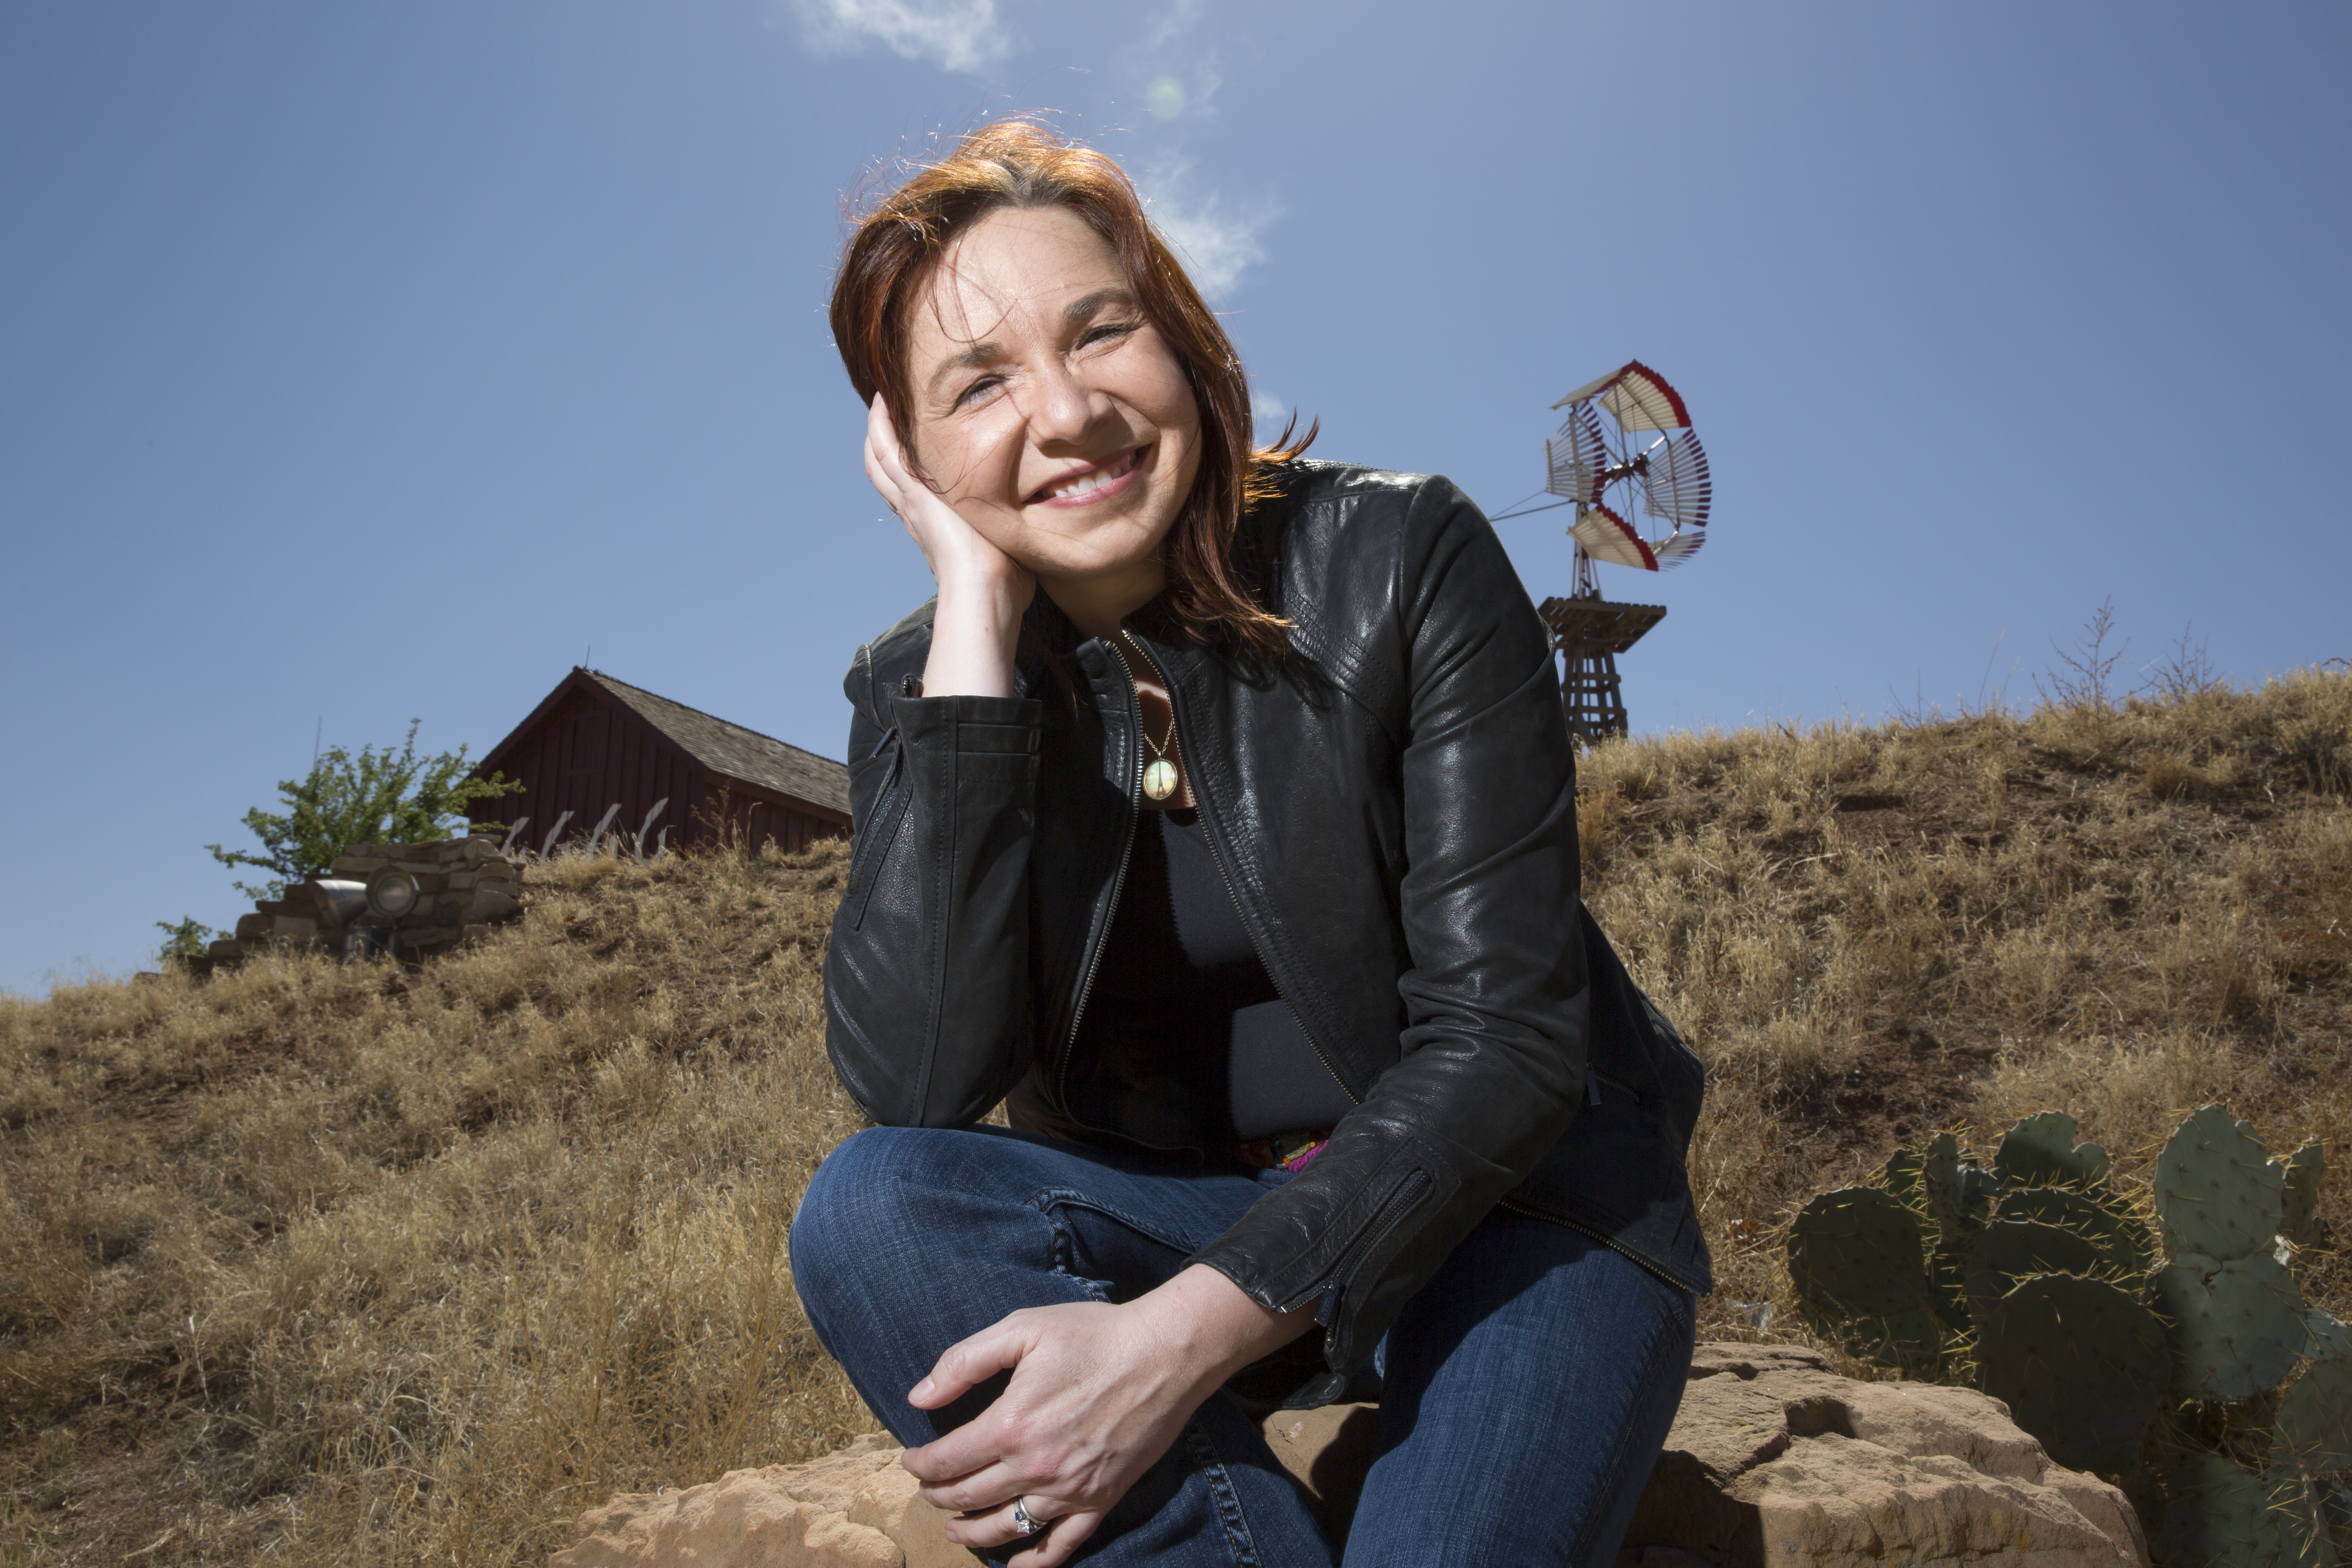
point(1906, 1175)
point(2010, 1249)
point(2299, 1202)
point(2218, 1191)
point(2081, 1364)
point(2315, 1420)
point(2298, 1505)
point(1960, 1195)
point(2235, 1327)
point(1912, 1339)
point(2121, 1238)
point(2040, 1152)
point(2217, 1516)
point(1947, 1276)
point(1855, 1256)
point(2330, 1340)
point(2336, 1515)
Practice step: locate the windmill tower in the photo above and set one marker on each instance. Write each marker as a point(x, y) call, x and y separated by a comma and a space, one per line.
point(1642, 457)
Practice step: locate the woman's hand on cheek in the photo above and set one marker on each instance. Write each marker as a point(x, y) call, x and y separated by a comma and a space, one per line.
point(982, 590)
point(958, 557)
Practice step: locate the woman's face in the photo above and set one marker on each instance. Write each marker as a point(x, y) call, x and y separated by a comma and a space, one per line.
point(1052, 414)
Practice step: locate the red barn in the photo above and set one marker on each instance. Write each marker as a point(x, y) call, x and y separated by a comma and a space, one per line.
point(597, 743)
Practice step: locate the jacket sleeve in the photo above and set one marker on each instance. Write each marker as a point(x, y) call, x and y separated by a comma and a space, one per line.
point(1491, 1063)
point(926, 978)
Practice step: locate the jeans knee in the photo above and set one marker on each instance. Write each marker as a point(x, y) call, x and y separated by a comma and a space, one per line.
point(872, 1199)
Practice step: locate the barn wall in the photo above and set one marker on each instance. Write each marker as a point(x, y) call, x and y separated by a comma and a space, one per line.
point(756, 814)
point(591, 750)
point(587, 753)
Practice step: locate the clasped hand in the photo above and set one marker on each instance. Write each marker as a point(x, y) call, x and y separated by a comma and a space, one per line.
point(1098, 1394)
point(1093, 1401)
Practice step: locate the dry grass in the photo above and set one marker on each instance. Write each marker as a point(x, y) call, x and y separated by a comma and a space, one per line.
point(315, 1263)
point(1874, 933)
point(329, 1265)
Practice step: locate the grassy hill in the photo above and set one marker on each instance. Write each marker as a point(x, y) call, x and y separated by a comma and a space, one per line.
point(343, 1265)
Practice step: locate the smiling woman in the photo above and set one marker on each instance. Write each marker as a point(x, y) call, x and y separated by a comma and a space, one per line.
point(888, 307)
point(1217, 818)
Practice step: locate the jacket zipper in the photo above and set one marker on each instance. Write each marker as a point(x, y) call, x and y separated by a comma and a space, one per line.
point(1590, 1234)
point(1118, 888)
point(1394, 1208)
point(1200, 803)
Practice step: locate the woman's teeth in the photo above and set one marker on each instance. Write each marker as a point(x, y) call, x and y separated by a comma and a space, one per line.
point(1096, 479)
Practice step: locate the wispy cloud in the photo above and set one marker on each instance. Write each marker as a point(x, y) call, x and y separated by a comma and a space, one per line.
point(1173, 23)
point(1218, 241)
point(1269, 405)
point(954, 34)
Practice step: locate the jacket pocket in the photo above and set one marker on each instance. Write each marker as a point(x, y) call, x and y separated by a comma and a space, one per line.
point(874, 843)
point(1681, 1077)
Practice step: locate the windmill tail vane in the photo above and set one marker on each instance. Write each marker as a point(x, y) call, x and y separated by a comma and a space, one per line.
point(1624, 451)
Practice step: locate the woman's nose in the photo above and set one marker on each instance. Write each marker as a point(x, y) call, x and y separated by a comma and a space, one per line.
point(1062, 406)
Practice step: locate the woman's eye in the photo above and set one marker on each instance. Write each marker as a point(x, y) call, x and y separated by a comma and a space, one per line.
point(1103, 334)
point(972, 392)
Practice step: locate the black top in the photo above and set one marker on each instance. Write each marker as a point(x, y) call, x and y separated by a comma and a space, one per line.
point(1181, 988)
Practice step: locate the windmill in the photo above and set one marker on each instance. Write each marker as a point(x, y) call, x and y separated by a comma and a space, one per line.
point(1626, 450)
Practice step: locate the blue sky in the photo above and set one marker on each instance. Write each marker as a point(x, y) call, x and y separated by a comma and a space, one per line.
point(366, 361)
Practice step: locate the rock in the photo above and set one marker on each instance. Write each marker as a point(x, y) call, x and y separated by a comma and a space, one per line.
point(1327, 1452)
point(855, 1509)
point(1773, 1460)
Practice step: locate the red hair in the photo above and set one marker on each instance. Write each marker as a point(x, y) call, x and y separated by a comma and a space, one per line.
point(898, 243)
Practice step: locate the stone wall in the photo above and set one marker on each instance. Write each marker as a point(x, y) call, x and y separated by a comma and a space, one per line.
point(453, 889)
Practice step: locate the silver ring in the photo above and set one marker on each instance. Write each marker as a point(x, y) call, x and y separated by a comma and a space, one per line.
point(1024, 1525)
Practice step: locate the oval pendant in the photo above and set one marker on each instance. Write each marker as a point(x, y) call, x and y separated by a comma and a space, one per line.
point(1159, 779)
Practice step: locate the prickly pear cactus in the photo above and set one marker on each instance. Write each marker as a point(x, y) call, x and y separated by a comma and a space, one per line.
point(1960, 1194)
point(2315, 1420)
point(2081, 1364)
point(2218, 1516)
point(2298, 1508)
point(2040, 1152)
point(2330, 1340)
point(2104, 1221)
point(1906, 1175)
point(2299, 1200)
point(1856, 1260)
point(2218, 1191)
point(2336, 1514)
point(2010, 1249)
point(2235, 1327)
point(2094, 1339)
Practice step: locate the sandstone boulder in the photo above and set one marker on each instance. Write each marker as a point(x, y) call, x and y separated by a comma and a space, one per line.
point(855, 1509)
point(1773, 1460)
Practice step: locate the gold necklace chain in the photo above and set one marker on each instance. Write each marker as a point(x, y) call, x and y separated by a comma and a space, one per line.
point(1159, 748)
point(1160, 778)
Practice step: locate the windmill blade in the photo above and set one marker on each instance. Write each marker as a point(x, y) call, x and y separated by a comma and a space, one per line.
point(1676, 486)
point(1678, 549)
point(1607, 536)
point(1577, 457)
point(1636, 397)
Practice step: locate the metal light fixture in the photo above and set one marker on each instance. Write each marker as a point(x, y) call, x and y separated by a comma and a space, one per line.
point(345, 901)
point(391, 893)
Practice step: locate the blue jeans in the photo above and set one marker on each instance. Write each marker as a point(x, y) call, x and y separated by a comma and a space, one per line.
point(1528, 1387)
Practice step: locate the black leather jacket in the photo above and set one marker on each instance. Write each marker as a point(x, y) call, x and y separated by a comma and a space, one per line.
point(1394, 811)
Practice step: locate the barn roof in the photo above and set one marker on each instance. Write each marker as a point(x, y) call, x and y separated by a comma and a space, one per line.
point(732, 750)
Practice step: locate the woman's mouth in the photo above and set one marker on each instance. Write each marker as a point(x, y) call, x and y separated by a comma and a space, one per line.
point(1098, 483)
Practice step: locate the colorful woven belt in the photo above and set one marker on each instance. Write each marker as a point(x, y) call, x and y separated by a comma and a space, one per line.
point(1289, 1151)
